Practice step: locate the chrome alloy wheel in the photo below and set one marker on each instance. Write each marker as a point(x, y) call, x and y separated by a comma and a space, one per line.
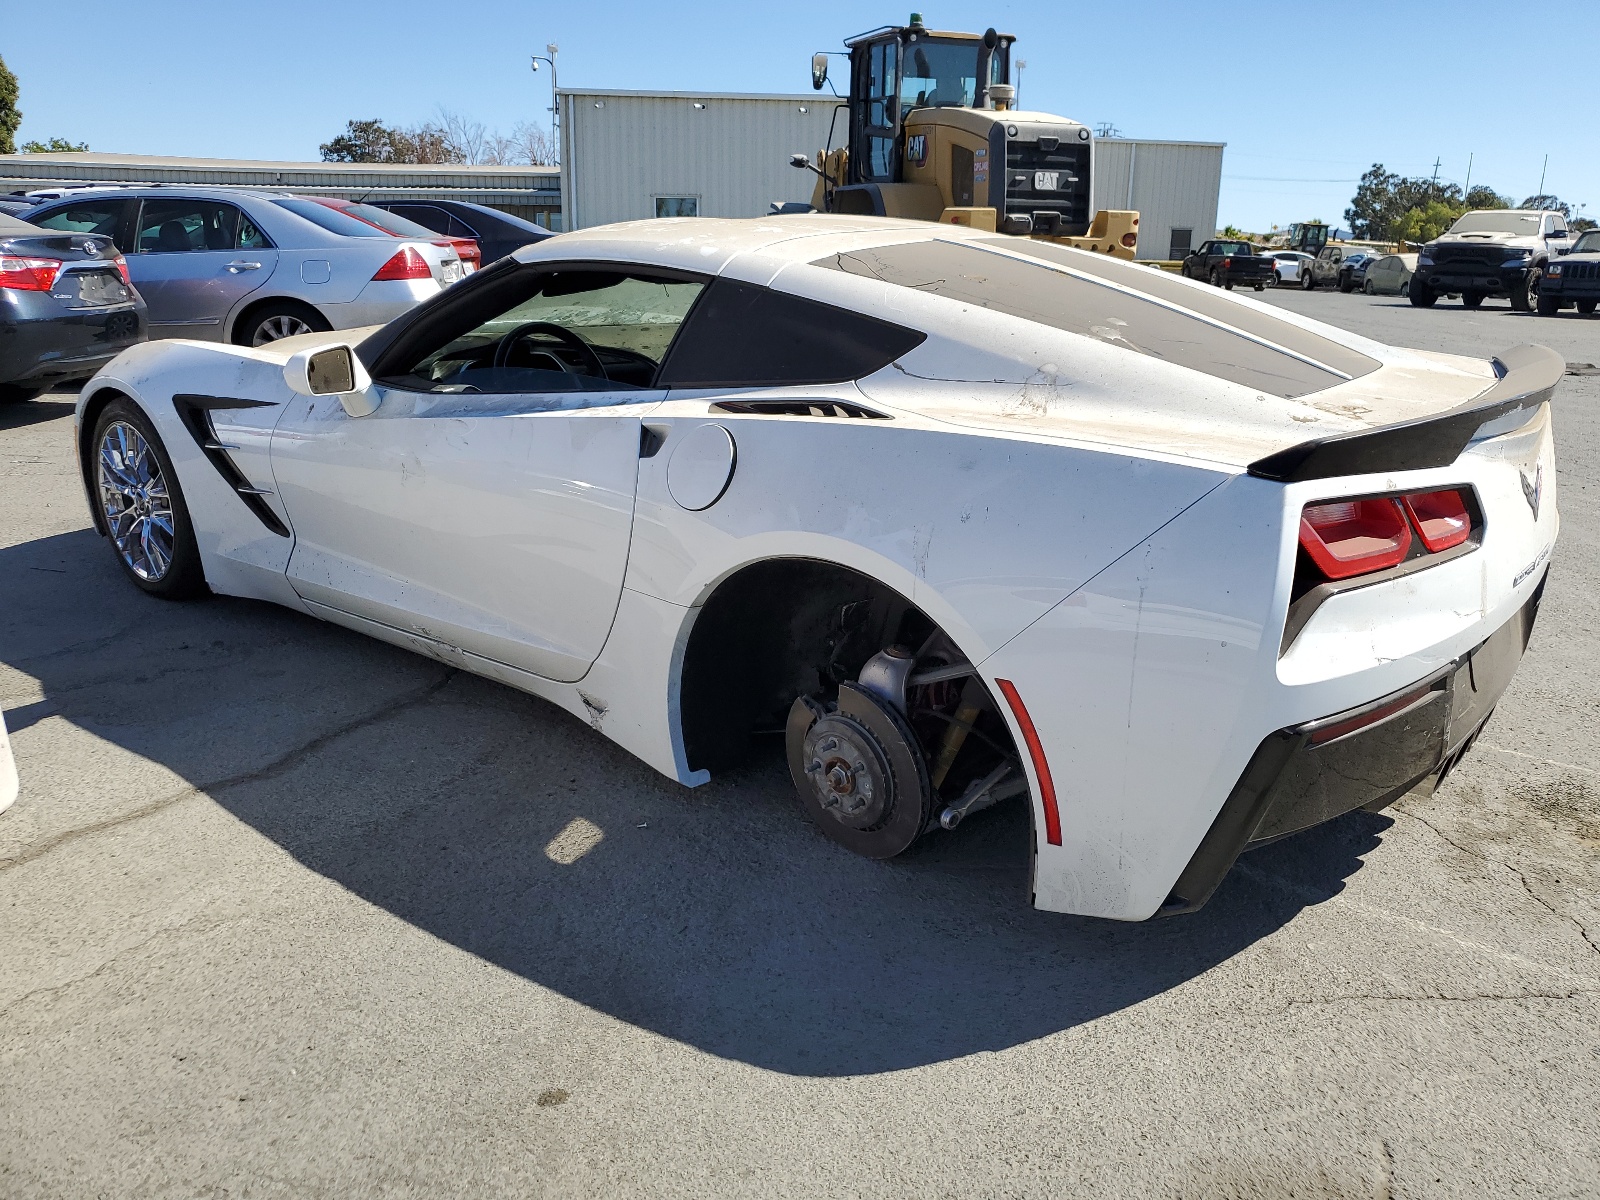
point(134, 500)
point(277, 327)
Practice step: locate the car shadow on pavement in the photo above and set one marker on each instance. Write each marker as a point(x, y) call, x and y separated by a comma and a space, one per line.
point(716, 916)
point(34, 412)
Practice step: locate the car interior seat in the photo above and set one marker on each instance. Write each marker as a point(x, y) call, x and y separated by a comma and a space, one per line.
point(173, 236)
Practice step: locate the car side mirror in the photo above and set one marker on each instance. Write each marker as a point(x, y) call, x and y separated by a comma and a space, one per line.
point(332, 371)
point(819, 71)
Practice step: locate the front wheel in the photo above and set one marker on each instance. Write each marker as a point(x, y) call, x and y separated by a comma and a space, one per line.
point(1525, 295)
point(1422, 296)
point(1471, 299)
point(137, 495)
point(1586, 307)
point(1345, 286)
point(1548, 306)
point(1370, 288)
point(1307, 280)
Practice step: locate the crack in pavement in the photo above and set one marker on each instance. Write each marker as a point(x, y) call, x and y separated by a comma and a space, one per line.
point(1438, 997)
point(1521, 878)
point(284, 762)
point(1377, 912)
point(207, 925)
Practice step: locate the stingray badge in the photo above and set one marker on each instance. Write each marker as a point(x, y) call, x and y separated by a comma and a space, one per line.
point(1533, 489)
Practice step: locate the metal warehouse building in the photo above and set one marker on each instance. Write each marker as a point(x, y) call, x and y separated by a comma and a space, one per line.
point(1174, 186)
point(646, 154)
point(532, 193)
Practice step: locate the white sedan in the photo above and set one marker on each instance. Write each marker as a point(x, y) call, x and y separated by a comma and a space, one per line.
point(970, 517)
point(1291, 266)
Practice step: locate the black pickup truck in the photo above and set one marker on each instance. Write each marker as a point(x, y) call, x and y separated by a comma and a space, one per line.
point(1223, 264)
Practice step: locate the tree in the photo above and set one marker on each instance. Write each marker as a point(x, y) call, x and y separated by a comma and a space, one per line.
point(1486, 197)
point(1547, 203)
point(1581, 224)
point(1418, 225)
point(10, 114)
point(55, 145)
point(1375, 206)
point(453, 138)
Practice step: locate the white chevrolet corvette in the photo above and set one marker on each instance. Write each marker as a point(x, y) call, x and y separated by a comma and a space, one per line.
point(965, 517)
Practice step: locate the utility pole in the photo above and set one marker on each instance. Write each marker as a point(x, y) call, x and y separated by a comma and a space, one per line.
point(1436, 172)
point(1468, 188)
point(1542, 170)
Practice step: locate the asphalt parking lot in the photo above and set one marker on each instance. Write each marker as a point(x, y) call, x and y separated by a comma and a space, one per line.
point(288, 912)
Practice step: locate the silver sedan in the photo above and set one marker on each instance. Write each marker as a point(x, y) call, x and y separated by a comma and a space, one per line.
point(249, 267)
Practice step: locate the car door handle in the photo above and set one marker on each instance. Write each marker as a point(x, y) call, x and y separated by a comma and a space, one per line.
point(236, 267)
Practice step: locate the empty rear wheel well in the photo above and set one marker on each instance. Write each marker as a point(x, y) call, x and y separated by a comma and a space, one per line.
point(784, 628)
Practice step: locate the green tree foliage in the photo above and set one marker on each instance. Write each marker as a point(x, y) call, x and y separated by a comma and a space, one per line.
point(1419, 225)
point(55, 145)
point(10, 114)
point(1390, 206)
point(1547, 203)
point(374, 142)
point(1581, 224)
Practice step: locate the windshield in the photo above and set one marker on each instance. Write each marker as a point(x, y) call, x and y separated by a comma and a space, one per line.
point(1589, 243)
point(943, 74)
point(1525, 224)
point(332, 219)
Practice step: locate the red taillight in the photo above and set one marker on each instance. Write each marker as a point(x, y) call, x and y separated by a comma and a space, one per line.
point(1041, 768)
point(407, 263)
point(469, 252)
point(1354, 537)
point(28, 274)
point(122, 269)
point(1440, 517)
point(1227, 262)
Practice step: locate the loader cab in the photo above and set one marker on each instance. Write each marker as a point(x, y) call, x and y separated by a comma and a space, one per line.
point(900, 68)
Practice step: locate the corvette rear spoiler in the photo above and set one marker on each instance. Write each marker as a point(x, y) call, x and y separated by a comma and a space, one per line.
point(1528, 376)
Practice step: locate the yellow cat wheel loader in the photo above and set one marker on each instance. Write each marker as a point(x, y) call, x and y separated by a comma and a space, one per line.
point(932, 135)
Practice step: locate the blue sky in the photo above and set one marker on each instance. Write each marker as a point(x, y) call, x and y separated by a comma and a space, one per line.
point(1305, 95)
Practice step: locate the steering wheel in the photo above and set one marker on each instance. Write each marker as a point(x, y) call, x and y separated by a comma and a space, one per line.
point(591, 361)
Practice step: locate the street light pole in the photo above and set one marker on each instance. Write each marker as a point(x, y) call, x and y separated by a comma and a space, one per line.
point(555, 110)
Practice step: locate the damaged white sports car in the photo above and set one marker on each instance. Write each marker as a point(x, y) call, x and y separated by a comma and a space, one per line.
point(969, 517)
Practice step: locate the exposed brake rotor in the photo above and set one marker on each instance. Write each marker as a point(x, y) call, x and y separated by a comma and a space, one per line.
point(859, 772)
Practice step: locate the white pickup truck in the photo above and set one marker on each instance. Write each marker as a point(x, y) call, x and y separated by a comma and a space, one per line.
point(1490, 252)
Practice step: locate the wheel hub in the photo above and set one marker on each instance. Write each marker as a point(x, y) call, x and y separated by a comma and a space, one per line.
point(847, 772)
point(133, 498)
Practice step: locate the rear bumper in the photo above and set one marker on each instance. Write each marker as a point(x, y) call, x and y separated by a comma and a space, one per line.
point(379, 302)
point(1367, 757)
point(51, 346)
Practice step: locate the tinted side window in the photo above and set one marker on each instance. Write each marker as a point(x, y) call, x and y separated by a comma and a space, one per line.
point(1084, 306)
point(88, 216)
point(740, 335)
point(425, 215)
point(172, 226)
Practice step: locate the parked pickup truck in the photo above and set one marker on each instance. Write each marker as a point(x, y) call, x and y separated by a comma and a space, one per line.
point(1495, 252)
point(1223, 264)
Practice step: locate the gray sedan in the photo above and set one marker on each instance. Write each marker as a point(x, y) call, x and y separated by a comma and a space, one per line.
point(66, 308)
point(249, 267)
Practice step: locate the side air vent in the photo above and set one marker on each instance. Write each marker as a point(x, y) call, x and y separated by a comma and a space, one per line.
point(195, 412)
point(831, 409)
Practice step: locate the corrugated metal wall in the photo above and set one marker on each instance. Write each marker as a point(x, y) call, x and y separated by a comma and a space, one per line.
point(1173, 185)
point(623, 149)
